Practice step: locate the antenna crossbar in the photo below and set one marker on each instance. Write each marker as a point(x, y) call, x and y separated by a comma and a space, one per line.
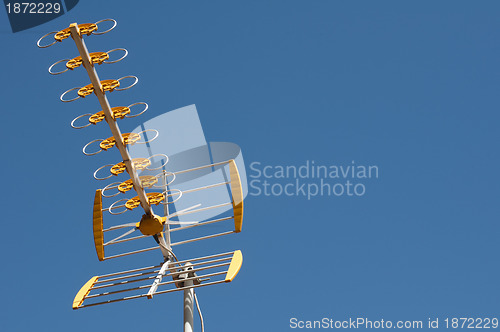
point(103, 101)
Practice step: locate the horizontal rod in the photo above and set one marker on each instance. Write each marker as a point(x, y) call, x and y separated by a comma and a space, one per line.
point(201, 224)
point(192, 278)
point(201, 167)
point(112, 301)
point(205, 257)
point(125, 240)
point(201, 238)
point(205, 187)
point(117, 291)
point(125, 277)
point(112, 228)
point(124, 282)
point(194, 286)
point(203, 209)
point(205, 263)
point(129, 271)
point(196, 270)
point(131, 253)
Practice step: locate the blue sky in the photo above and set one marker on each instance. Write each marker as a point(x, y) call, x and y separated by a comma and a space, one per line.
point(410, 87)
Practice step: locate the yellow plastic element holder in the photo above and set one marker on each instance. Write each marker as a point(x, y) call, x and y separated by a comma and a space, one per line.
point(107, 85)
point(146, 181)
point(237, 192)
point(97, 225)
point(117, 112)
point(151, 225)
point(85, 29)
point(97, 117)
point(153, 198)
point(235, 266)
point(128, 138)
point(137, 163)
point(83, 292)
point(95, 58)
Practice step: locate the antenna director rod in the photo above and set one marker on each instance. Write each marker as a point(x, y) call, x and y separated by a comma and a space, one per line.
point(84, 53)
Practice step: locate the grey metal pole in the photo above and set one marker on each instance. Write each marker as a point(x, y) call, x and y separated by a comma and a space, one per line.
point(188, 306)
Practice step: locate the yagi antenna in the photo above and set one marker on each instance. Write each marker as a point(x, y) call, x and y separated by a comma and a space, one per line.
point(158, 187)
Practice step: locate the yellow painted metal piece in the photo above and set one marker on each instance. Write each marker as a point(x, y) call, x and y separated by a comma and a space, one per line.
point(137, 163)
point(151, 225)
point(74, 63)
point(128, 138)
point(86, 90)
point(118, 168)
point(117, 112)
point(107, 85)
point(97, 117)
point(147, 181)
point(83, 292)
point(85, 29)
point(95, 58)
point(97, 225)
point(235, 266)
point(125, 186)
point(98, 57)
point(140, 163)
point(153, 198)
point(108, 143)
point(237, 193)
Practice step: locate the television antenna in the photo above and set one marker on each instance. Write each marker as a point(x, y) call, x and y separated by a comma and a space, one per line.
point(146, 282)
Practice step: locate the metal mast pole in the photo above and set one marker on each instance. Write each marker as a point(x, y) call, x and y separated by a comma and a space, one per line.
point(188, 306)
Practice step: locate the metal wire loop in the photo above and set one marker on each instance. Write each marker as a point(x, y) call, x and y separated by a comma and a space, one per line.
point(166, 175)
point(46, 35)
point(78, 117)
point(120, 59)
point(151, 161)
point(59, 72)
point(109, 187)
point(92, 153)
point(128, 87)
point(144, 110)
point(112, 206)
point(146, 142)
point(171, 195)
point(106, 19)
point(68, 100)
point(97, 170)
